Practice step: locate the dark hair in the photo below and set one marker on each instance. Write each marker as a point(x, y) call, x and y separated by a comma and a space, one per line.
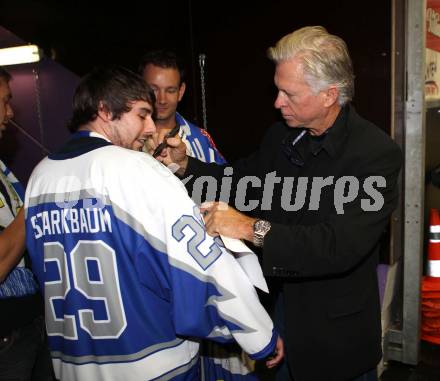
point(4, 74)
point(162, 58)
point(114, 87)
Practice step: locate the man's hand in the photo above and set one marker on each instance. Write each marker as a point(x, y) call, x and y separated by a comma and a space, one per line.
point(151, 143)
point(174, 155)
point(220, 218)
point(279, 354)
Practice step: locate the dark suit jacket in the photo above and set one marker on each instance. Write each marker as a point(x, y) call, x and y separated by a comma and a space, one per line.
point(325, 254)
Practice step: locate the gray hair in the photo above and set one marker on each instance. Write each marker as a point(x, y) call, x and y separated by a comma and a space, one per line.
point(325, 59)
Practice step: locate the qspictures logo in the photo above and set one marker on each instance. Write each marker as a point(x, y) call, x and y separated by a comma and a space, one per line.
point(296, 192)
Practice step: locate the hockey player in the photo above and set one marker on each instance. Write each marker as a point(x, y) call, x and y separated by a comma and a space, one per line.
point(130, 278)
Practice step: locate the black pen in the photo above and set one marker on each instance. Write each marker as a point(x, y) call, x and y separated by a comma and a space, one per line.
point(162, 145)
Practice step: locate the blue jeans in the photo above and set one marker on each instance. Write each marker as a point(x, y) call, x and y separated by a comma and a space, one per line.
point(24, 354)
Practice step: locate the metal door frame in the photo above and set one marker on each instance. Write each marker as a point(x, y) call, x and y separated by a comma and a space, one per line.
point(402, 342)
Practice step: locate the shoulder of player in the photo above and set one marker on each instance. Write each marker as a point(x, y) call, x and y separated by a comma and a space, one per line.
point(187, 125)
point(134, 165)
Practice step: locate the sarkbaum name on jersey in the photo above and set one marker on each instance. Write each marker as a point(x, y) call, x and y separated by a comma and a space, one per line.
point(71, 220)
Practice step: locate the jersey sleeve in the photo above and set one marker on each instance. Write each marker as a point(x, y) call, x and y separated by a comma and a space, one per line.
point(218, 157)
point(208, 293)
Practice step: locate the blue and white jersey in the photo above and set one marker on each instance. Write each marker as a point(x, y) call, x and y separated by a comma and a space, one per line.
point(129, 276)
point(11, 202)
point(198, 142)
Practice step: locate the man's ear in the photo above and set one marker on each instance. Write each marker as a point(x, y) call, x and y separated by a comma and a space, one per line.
point(182, 89)
point(103, 112)
point(331, 96)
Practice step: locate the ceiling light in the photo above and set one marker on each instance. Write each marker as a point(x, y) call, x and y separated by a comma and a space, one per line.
point(19, 55)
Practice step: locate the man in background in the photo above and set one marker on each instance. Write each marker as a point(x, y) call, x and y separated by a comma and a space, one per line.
point(164, 73)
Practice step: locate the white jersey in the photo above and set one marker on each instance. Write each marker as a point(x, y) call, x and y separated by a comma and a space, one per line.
point(130, 278)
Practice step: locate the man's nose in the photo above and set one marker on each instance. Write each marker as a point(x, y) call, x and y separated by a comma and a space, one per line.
point(160, 97)
point(9, 112)
point(279, 100)
point(149, 127)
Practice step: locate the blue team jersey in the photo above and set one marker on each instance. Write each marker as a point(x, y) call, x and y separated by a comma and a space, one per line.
point(198, 142)
point(130, 279)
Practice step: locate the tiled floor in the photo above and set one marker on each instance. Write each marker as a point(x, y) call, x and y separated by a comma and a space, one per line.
point(427, 370)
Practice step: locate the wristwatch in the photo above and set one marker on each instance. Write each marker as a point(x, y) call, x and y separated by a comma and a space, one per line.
point(261, 227)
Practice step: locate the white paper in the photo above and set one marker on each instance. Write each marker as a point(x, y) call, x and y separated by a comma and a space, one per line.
point(248, 261)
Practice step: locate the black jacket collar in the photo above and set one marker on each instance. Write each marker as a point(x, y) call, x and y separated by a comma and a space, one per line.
point(335, 138)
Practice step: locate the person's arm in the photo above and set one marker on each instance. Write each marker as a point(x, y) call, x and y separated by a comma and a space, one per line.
point(12, 243)
point(333, 246)
point(175, 155)
point(220, 218)
point(209, 294)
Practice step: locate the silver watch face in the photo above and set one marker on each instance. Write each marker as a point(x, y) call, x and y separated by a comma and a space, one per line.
point(261, 227)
